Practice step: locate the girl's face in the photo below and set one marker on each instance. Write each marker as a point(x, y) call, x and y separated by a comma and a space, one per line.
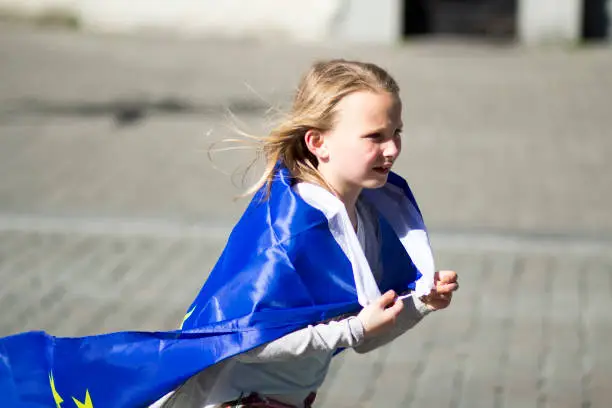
point(363, 144)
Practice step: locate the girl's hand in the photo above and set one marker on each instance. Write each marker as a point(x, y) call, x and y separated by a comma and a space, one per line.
point(380, 315)
point(442, 293)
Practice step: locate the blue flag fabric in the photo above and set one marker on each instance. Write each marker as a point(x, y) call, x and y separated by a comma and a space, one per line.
point(280, 271)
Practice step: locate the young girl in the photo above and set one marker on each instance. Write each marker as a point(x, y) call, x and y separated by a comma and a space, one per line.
point(341, 138)
point(331, 253)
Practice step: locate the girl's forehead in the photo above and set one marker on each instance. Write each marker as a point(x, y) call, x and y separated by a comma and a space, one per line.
point(370, 109)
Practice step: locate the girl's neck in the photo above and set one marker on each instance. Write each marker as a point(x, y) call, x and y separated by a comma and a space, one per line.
point(348, 194)
point(349, 199)
point(352, 213)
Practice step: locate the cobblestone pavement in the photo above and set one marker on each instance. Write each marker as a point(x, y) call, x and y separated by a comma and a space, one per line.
point(111, 214)
point(527, 329)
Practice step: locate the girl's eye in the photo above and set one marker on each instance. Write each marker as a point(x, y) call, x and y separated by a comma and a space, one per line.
point(381, 137)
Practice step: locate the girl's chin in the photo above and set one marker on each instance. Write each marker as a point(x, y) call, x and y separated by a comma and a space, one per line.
point(375, 182)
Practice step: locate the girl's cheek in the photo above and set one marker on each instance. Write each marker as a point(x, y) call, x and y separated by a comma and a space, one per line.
point(378, 151)
point(372, 149)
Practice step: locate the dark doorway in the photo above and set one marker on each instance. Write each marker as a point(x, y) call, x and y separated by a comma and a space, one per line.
point(482, 18)
point(595, 20)
point(417, 17)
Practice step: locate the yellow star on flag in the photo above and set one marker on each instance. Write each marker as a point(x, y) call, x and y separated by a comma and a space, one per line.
point(186, 317)
point(56, 397)
point(86, 404)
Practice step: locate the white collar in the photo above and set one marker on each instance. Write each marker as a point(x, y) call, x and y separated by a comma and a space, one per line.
point(405, 220)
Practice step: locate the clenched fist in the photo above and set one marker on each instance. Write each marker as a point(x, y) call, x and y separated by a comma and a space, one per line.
point(445, 283)
point(380, 315)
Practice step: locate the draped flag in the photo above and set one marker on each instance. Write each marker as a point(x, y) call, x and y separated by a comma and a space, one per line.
point(289, 262)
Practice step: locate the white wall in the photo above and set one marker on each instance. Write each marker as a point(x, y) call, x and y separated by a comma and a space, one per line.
point(549, 21)
point(369, 21)
point(297, 19)
point(306, 20)
point(36, 7)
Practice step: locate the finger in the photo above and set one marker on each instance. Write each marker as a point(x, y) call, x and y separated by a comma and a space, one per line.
point(447, 276)
point(441, 297)
point(394, 309)
point(446, 287)
point(387, 298)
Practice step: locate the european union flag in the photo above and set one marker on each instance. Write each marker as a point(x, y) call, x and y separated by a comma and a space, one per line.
point(290, 261)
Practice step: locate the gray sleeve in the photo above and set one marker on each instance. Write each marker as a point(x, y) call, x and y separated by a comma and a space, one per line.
point(312, 339)
point(414, 310)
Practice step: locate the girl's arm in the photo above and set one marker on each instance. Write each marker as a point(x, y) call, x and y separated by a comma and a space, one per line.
point(385, 319)
point(323, 337)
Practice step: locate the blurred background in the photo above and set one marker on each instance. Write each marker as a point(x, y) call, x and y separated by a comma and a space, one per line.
point(112, 211)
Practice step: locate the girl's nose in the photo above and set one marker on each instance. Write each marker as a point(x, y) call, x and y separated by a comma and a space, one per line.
point(391, 148)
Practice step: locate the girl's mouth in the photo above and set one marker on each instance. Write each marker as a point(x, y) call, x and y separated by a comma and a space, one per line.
point(382, 170)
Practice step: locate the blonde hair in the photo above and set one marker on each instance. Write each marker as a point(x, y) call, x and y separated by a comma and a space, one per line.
point(314, 107)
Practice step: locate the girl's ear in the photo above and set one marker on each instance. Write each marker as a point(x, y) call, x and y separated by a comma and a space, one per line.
point(315, 142)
